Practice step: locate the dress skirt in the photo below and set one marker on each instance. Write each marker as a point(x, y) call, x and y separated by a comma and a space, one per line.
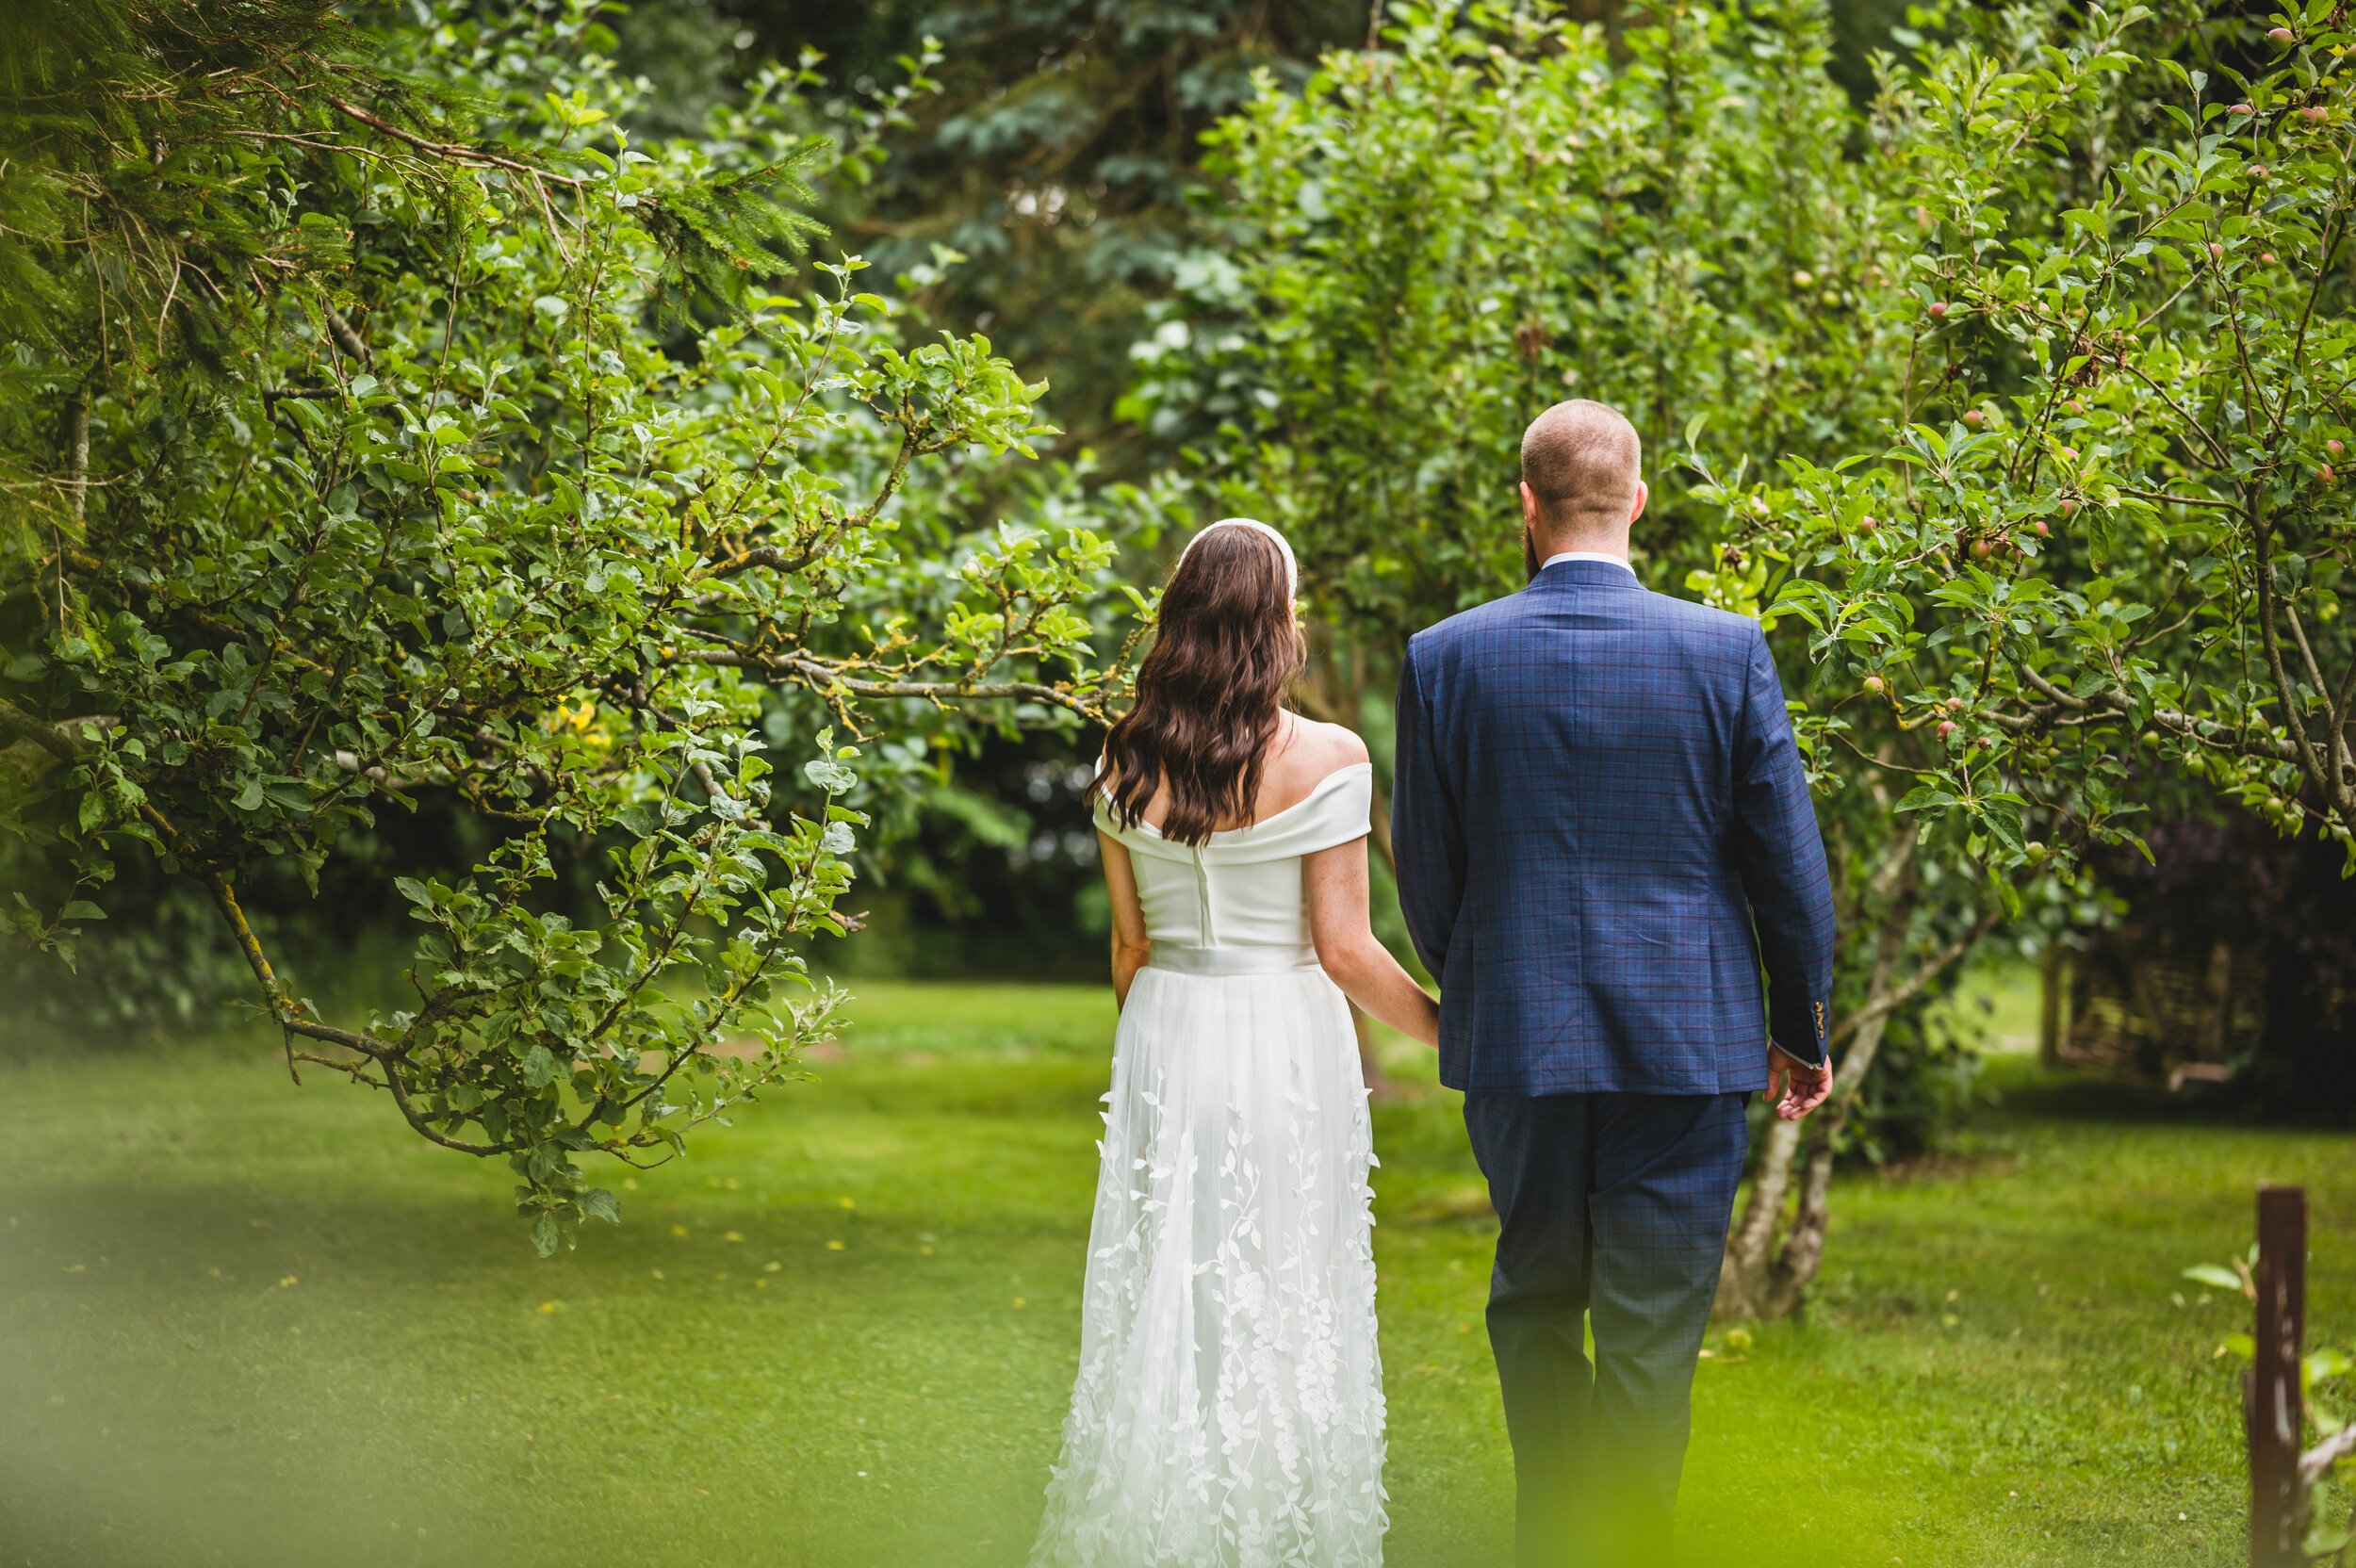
point(1228, 1409)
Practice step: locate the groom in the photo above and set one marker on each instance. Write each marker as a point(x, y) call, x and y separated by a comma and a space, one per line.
point(1603, 834)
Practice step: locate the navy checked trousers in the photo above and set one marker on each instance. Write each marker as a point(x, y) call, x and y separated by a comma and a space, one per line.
point(1615, 1206)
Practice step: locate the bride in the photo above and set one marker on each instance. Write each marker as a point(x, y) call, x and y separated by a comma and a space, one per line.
point(1228, 1410)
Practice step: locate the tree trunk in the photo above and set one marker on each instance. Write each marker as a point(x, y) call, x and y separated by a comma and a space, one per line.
point(77, 455)
point(1803, 1252)
point(1742, 1277)
point(1758, 1278)
point(1752, 1283)
point(2052, 987)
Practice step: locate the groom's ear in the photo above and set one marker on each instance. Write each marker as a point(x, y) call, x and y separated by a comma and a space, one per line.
point(1644, 494)
point(1529, 503)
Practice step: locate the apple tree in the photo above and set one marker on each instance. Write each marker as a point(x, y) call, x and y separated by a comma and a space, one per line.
point(1500, 208)
point(2103, 545)
point(2011, 403)
point(386, 430)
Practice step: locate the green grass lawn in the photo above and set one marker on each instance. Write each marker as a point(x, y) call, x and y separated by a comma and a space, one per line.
point(242, 1323)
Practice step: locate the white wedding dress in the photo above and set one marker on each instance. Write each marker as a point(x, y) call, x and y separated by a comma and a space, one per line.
point(1227, 1411)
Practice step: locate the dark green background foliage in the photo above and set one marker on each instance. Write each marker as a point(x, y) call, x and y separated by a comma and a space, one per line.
point(1058, 158)
point(1062, 155)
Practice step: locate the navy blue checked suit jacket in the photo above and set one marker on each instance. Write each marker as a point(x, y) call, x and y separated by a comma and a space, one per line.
point(1603, 830)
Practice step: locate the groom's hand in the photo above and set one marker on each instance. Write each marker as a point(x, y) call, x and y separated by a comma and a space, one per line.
point(1793, 1088)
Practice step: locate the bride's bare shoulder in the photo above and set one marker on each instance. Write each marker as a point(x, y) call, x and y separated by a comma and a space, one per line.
point(1336, 747)
point(1313, 750)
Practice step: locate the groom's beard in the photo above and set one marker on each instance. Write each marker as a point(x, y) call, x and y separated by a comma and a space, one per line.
point(1530, 554)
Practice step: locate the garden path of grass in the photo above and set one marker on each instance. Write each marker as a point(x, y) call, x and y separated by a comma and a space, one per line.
point(249, 1325)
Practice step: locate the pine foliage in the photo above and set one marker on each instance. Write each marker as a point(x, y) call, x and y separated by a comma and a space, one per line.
point(722, 238)
point(163, 158)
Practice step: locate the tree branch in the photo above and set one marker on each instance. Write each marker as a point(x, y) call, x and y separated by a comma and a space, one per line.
point(2316, 1463)
point(273, 995)
point(2116, 701)
point(764, 555)
point(1895, 998)
point(2180, 500)
point(2334, 741)
point(454, 151)
point(56, 740)
point(2318, 763)
point(78, 449)
point(820, 675)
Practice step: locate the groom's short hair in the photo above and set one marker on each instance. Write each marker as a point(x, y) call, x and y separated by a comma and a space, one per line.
point(1580, 459)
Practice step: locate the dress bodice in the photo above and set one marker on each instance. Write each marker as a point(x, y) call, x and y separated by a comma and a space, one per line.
point(1243, 888)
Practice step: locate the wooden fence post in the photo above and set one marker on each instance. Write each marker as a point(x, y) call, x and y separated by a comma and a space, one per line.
point(2278, 1523)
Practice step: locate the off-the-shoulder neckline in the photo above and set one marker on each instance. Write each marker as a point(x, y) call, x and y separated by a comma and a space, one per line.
point(1315, 790)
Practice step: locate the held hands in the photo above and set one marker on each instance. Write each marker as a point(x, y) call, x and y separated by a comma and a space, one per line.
point(1793, 1088)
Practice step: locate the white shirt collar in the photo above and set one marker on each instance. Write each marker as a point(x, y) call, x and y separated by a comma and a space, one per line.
point(1619, 560)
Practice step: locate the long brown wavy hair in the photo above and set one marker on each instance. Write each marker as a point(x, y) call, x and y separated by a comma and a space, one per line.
point(1209, 693)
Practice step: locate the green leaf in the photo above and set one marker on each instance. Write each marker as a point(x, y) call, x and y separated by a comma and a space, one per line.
point(831, 776)
point(545, 1235)
point(2002, 817)
point(600, 1204)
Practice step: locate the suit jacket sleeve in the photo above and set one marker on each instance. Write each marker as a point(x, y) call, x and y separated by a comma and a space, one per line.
point(1780, 856)
point(1427, 837)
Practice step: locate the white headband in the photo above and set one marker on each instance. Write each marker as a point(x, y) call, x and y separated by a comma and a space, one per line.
point(1292, 568)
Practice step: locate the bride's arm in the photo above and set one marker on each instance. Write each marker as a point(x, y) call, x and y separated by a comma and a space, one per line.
point(1336, 882)
point(1131, 947)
